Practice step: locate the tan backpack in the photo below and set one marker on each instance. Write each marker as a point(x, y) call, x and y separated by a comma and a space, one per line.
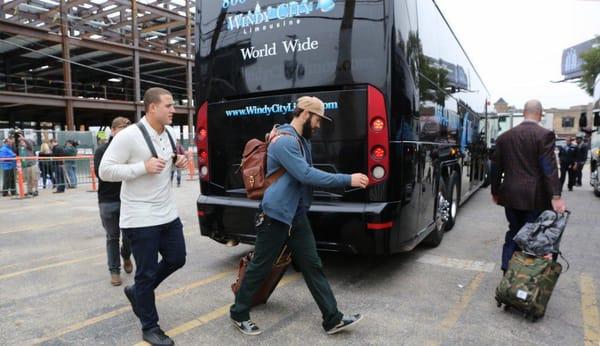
point(254, 165)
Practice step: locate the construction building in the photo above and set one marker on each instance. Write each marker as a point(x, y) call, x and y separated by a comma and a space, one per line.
point(79, 63)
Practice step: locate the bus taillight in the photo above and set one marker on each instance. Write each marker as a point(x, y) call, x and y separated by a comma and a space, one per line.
point(202, 141)
point(378, 145)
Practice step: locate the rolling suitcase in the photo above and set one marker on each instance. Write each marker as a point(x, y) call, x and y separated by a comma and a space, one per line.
point(528, 284)
point(264, 292)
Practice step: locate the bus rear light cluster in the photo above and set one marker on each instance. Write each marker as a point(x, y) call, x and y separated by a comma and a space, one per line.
point(377, 124)
point(202, 141)
point(377, 141)
point(378, 172)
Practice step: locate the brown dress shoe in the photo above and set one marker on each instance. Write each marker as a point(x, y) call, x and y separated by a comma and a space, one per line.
point(115, 279)
point(127, 266)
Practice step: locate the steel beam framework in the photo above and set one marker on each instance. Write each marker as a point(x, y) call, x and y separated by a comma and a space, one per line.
point(159, 33)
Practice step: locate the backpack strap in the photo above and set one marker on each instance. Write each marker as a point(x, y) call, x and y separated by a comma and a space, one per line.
point(147, 139)
point(151, 146)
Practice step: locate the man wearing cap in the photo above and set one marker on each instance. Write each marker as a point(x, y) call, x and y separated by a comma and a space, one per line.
point(282, 218)
point(109, 202)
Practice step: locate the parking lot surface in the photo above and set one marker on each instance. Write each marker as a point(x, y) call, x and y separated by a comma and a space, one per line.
point(55, 287)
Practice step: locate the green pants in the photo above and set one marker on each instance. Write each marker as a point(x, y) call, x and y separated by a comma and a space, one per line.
point(270, 238)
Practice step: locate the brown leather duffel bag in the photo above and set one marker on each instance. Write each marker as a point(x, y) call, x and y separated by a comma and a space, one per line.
point(264, 292)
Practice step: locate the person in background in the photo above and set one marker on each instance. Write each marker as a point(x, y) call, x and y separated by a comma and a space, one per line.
point(58, 166)
point(580, 158)
point(30, 169)
point(8, 167)
point(109, 202)
point(180, 151)
point(566, 156)
point(45, 164)
point(71, 165)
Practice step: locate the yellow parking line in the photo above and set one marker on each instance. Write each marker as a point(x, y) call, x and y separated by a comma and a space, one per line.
point(213, 315)
point(111, 314)
point(589, 310)
point(49, 226)
point(53, 265)
point(454, 314)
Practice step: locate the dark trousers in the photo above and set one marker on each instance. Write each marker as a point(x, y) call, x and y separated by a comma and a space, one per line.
point(146, 243)
point(565, 169)
point(579, 173)
point(60, 177)
point(109, 214)
point(8, 182)
point(270, 239)
point(516, 219)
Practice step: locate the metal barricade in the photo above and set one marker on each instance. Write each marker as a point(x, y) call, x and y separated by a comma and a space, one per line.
point(33, 173)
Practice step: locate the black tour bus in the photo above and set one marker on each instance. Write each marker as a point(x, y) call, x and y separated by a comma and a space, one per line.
point(408, 108)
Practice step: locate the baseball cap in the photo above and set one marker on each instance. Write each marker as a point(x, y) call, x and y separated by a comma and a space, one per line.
point(313, 105)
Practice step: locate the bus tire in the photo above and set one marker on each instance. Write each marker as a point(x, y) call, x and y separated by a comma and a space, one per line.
point(453, 196)
point(437, 235)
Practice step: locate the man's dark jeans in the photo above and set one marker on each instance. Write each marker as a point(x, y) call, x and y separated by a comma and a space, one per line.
point(516, 219)
point(109, 214)
point(271, 236)
point(564, 171)
point(146, 244)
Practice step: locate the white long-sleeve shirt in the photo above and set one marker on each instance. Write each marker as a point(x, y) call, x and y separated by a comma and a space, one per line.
point(146, 199)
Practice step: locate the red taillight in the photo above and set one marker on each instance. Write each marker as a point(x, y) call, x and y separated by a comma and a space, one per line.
point(203, 155)
point(378, 152)
point(378, 144)
point(377, 124)
point(202, 141)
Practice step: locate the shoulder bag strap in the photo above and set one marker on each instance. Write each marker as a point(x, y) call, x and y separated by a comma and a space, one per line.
point(147, 139)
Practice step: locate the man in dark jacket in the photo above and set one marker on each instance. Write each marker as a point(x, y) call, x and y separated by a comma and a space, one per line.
point(566, 156)
point(109, 202)
point(524, 175)
point(283, 218)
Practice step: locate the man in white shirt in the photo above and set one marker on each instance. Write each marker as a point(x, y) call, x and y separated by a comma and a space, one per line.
point(149, 217)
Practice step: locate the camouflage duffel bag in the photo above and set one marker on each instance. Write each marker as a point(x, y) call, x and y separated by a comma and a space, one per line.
point(528, 284)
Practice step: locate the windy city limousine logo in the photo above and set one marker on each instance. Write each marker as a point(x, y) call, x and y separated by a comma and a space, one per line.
point(273, 16)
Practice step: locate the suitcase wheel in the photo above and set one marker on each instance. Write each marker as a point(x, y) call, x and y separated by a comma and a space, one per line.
point(498, 304)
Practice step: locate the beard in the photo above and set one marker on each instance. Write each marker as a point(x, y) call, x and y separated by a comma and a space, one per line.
point(307, 130)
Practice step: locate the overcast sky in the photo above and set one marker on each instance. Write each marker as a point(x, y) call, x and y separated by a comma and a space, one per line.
point(516, 45)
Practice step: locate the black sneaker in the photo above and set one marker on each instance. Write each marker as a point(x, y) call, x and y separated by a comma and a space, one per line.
point(346, 322)
point(247, 327)
point(157, 337)
point(131, 297)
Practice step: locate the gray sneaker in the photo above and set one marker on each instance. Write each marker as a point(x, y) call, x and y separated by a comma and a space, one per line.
point(247, 327)
point(346, 322)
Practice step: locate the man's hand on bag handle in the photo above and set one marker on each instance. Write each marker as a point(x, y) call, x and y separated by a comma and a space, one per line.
point(359, 180)
point(558, 204)
point(154, 165)
point(182, 161)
